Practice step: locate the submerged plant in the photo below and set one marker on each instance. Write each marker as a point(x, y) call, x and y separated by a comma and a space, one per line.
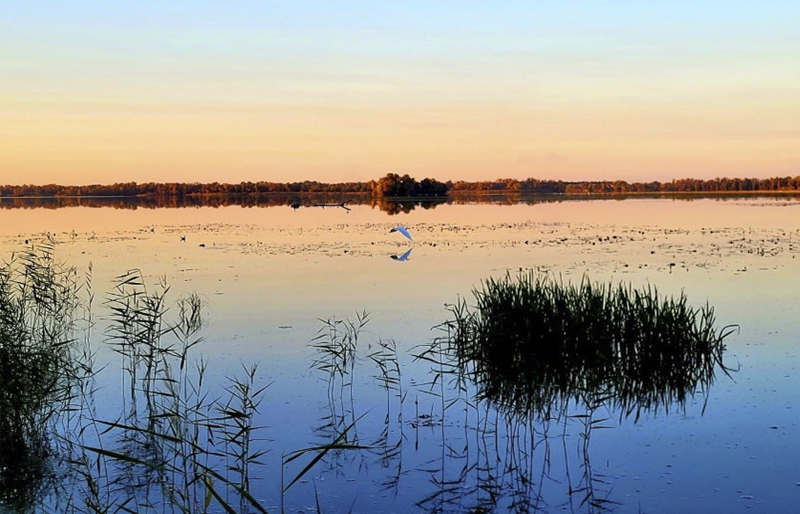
point(534, 345)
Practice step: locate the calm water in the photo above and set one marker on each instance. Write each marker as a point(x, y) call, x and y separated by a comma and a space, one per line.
point(269, 274)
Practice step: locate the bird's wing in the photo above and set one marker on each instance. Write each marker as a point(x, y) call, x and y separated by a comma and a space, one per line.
point(404, 231)
point(405, 255)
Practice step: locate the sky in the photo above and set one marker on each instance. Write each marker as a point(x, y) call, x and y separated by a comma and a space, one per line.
point(204, 91)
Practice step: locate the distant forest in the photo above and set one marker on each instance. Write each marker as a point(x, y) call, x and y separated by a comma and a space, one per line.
point(393, 185)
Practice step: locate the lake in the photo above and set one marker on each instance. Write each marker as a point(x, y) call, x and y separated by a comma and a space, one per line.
point(274, 279)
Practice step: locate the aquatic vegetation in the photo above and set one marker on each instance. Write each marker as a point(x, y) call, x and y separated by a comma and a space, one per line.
point(176, 446)
point(336, 347)
point(535, 356)
point(507, 378)
point(42, 367)
point(534, 344)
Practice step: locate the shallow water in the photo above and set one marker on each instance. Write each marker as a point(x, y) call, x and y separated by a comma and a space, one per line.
point(269, 274)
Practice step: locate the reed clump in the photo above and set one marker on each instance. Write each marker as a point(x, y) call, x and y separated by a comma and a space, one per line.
point(535, 344)
point(176, 447)
point(41, 368)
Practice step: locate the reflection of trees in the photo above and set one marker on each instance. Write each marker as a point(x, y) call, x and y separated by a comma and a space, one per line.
point(160, 202)
point(394, 206)
point(221, 200)
point(296, 200)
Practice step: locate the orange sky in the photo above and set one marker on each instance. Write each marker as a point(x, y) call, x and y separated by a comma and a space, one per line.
point(174, 93)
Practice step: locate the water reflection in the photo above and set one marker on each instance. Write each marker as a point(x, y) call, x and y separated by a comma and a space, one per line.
point(391, 206)
point(404, 257)
point(25, 470)
point(531, 367)
point(535, 345)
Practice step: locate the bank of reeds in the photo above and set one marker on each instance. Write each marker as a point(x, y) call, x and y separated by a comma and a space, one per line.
point(42, 368)
point(534, 344)
point(174, 447)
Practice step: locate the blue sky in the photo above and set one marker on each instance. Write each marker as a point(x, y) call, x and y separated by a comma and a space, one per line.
point(99, 92)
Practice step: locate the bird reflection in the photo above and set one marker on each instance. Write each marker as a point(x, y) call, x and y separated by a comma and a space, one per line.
point(403, 257)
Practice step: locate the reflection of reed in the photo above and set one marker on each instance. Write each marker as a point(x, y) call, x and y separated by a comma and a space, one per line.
point(507, 464)
point(533, 345)
point(535, 352)
point(175, 447)
point(41, 374)
point(492, 460)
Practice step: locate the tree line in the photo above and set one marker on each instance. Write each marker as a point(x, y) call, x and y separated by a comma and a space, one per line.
point(166, 189)
point(394, 185)
point(686, 185)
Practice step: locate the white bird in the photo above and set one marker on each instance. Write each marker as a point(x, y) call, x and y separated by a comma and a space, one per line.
point(403, 230)
point(403, 257)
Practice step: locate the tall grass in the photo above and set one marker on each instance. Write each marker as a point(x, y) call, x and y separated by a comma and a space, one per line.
point(336, 348)
point(41, 369)
point(176, 447)
point(534, 344)
point(534, 351)
point(530, 350)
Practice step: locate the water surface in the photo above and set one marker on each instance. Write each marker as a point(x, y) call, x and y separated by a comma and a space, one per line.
point(269, 274)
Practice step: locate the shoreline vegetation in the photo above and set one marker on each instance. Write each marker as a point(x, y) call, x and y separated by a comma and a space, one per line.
point(534, 359)
point(396, 186)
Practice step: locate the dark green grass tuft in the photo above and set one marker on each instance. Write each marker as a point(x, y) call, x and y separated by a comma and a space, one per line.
point(535, 344)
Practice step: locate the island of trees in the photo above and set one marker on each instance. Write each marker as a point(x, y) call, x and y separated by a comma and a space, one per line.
point(395, 186)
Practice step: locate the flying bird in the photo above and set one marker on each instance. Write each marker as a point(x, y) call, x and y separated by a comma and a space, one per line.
point(403, 230)
point(403, 257)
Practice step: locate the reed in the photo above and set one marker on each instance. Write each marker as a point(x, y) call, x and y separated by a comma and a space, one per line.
point(389, 375)
point(529, 350)
point(40, 370)
point(236, 420)
point(176, 446)
point(336, 352)
point(534, 344)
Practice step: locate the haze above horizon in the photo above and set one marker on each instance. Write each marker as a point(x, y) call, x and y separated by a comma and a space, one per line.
point(348, 91)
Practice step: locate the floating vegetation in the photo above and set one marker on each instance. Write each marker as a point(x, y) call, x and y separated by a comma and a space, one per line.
point(534, 345)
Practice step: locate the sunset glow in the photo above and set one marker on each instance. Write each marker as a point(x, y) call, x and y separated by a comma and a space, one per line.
point(348, 91)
